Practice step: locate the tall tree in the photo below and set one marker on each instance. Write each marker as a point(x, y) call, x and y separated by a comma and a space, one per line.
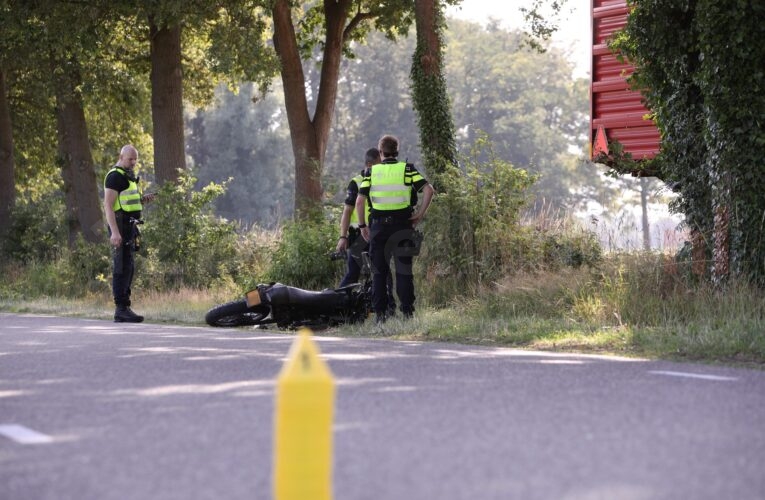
point(74, 157)
point(645, 226)
point(68, 38)
point(193, 44)
point(431, 100)
point(167, 99)
point(331, 25)
point(7, 163)
point(308, 136)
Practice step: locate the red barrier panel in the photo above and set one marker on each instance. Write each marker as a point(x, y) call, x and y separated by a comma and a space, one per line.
point(616, 112)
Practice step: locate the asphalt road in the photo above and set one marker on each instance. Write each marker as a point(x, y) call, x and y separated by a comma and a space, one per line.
point(97, 410)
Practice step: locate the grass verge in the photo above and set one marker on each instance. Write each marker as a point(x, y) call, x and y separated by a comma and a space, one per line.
point(642, 309)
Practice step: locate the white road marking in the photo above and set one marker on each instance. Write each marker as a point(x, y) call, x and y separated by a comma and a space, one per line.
point(561, 362)
point(402, 388)
point(694, 375)
point(347, 356)
point(24, 435)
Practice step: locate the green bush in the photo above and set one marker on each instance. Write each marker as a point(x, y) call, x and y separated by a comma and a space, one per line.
point(475, 235)
point(472, 225)
point(184, 243)
point(88, 266)
point(37, 231)
point(73, 272)
point(254, 251)
point(301, 257)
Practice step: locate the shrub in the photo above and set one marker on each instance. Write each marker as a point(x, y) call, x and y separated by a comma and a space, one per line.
point(36, 232)
point(472, 226)
point(301, 257)
point(475, 234)
point(185, 244)
point(73, 272)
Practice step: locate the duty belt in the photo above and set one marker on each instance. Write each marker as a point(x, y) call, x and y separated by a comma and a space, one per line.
point(389, 220)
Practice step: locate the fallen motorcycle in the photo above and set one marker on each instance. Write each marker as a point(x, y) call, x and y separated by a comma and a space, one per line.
point(292, 307)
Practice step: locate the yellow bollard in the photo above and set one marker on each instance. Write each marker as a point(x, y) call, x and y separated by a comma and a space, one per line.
point(303, 424)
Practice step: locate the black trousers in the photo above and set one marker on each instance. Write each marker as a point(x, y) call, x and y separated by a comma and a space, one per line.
point(122, 275)
point(123, 264)
point(357, 245)
point(391, 239)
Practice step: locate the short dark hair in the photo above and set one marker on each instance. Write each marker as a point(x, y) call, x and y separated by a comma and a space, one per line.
point(372, 156)
point(388, 146)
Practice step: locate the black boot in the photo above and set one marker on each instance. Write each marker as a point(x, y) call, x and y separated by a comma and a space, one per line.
point(381, 318)
point(391, 309)
point(123, 314)
point(407, 312)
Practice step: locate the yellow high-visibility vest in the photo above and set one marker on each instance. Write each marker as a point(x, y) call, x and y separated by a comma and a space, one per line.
point(354, 215)
point(128, 200)
point(388, 189)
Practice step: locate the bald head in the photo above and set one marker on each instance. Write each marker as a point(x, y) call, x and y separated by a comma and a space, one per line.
point(128, 156)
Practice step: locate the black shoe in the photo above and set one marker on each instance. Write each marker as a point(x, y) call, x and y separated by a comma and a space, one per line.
point(391, 311)
point(124, 314)
point(407, 314)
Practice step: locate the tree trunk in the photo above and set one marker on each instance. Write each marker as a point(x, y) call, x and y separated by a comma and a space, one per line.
point(77, 170)
point(644, 211)
point(309, 136)
point(429, 92)
point(167, 101)
point(7, 164)
point(722, 247)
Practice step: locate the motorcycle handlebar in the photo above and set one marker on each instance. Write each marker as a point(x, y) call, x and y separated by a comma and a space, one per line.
point(337, 255)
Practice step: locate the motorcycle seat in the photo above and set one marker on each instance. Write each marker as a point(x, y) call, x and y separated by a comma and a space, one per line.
point(290, 295)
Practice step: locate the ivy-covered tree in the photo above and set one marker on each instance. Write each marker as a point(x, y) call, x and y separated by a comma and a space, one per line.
point(429, 92)
point(698, 67)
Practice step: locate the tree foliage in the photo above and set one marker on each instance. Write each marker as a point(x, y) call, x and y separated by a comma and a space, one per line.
point(526, 102)
point(93, 59)
point(245, 143)
point(248, 143)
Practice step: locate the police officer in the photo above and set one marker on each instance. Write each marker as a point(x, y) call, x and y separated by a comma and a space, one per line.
point(123, 202)
point(389, 188)
point(350, 240)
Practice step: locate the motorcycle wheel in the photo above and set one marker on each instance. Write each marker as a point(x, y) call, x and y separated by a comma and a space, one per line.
point(237, 314)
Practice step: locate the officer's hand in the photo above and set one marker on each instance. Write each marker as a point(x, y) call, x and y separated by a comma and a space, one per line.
point(342, 244)
point(365, 233)
point(415, 219)
point(115, 239)
point(148, 197)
